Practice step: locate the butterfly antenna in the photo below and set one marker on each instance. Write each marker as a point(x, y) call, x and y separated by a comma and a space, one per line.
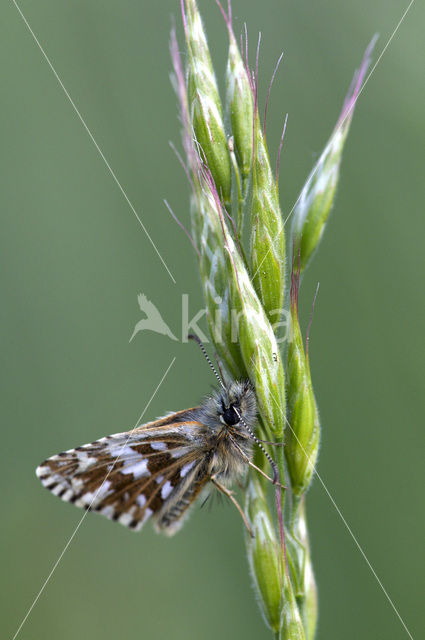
point(276, 476)
point(276, 482)
point(194, 337)
point(220, 369)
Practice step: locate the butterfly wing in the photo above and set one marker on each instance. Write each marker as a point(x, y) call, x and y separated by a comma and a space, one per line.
point(155, 470)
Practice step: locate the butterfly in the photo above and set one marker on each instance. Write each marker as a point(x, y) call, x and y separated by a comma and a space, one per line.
point(157, 470)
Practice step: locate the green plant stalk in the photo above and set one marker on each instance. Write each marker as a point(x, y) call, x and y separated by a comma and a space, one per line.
point(232, 184)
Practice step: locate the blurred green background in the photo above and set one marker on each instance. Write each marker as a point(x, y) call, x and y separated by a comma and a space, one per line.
point(74, 258)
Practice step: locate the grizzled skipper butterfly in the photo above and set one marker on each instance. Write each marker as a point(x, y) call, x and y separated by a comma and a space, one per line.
point(158, 469)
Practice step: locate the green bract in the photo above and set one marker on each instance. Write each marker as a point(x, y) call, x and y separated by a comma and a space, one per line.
point(316, 198)
point(302, 442)
point(205, 105)
point(240, 108)
point(267, 234)
point(265, 560)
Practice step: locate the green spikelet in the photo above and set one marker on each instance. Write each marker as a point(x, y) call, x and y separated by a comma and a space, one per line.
point(204, 103)
point(316, 198)
point(221, 315)
point(267, 233)
point(302, 443)
point(240, 106)
point(264, 556)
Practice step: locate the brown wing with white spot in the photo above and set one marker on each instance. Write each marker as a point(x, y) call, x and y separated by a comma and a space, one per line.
point(155, 470)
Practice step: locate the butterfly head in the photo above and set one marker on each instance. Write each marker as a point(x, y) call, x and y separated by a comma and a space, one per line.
point(237, 405)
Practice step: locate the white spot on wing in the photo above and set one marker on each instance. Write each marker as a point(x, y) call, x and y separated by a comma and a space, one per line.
point(53, 479)
point(186, 468)
point(138, 469)
point(108, 511)
point(179, 452)
point(121, 451)
point(42, 471)
point(77, 484)
point(103, 490)
point(87, 498)
point(166, 490)
point(158, 446)
point(57, 489)
point(147, 515)
point(84, 460)
point(141, 500)
point(125, 518)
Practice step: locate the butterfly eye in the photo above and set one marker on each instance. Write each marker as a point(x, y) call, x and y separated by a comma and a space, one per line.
point(230, 416)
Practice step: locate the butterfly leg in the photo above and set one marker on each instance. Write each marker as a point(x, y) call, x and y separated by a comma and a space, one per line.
point(229, 494)
point(272, 444)
point(254, 466)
